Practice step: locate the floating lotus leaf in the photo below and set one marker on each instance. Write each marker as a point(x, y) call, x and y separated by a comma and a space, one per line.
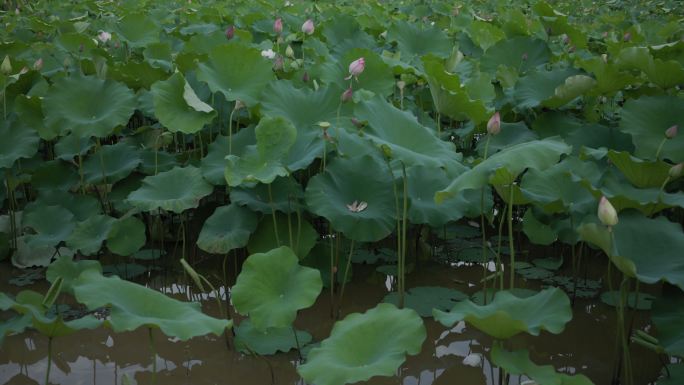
point(668, 316)
point(214, 163)
point(263, 162)
point(272, 287)
point(270, 341)
point(111, 163)
point(645, 248)
point(177, 106)
point(88, 106)
point(237, 71)
point(18, 141)
point(133, 306)
point(52, 224)
point(538, 155)
point(66, 268)
point(126, 236)
point(508, 315)
point(640, 301)
point(361, 180)
point(14, 325)
point(55, 175)
point(264, 238)
point(138, 30)
point(647, 118)
point(425, 298)
point(509, 53)
point(287, 196)
point(519, 363)
point(344, 33)
point(364, 345)
point(88, 235)
point(176, 190)
point(228, 228)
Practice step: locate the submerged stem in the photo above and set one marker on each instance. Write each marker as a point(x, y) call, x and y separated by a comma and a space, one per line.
point(346, 274)
point(49, 363)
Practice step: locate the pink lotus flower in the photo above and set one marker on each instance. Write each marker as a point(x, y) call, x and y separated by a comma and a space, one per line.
point(278, 26)
point(356, 68)
point(230, 32)
point(606, 212)
point(494, 124)
point(104, 36)
point(347, 95)
point(308, 27)
point(671, 132)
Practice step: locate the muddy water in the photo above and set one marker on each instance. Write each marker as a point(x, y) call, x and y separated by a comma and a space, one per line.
point(99, 357)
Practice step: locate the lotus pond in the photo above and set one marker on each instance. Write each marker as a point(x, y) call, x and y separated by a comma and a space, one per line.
point(328, 193)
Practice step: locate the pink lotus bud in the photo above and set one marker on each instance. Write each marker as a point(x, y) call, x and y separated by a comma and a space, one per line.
point(38, 64)
point(308, 27)
point(676, 170)
point(524, 57)
point(104, 36)
point(494, 124)
point(305, 77)
point(356, 68)
point(347, 95)
point(627, 37)
point(606, 212)
point(671, 132)
point(230, 32)
point(278, 26)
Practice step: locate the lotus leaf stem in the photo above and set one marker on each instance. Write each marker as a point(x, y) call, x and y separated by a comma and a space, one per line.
point(511, 247)
point(273, 214)
point(344, 280)
point(482, 229)
point(499, 244)
point(230, 132)
point(660, 148)
point(299, 349)
point(402, 260)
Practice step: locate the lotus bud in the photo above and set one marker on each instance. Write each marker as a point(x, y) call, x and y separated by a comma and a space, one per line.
point(6, 67)
point(401, 84)
point(494, 124)
point(289, 52)
point(524, 57)
point(308, 27)
point(604, 57)
point(23, 70)
point(104, 36)
point(230, 32)
point(278, 26)
point(80, 48)
point(627, 37)
point(239, 105)
point(356, 67)
point(676, 170)
point(606, 213)
point(357, 123)
point(347, 95)
point(67, 62)
point(305, 77)
point(278, 63)
point(671, 132)
point(38, 64)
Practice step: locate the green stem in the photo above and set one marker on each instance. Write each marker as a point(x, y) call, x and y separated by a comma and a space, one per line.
point(230, 132)
point(660, 147)
point(510, 236)
point(344, 280)
point(498, 250)
point(49, 363)
point(80, 171)
point(484, 233)
point(402, 281)
point(332, 271)
point(273, 214)
point(299, 349)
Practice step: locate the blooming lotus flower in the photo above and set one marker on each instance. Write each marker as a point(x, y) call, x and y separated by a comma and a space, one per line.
point(347, 95)
point(278, 26)
point(230, 32)
point(671, 132)
point(606, 213)
point(268, 53)
point(308, 27)
point(494, 124)
point(104, 36)
point(356, 68)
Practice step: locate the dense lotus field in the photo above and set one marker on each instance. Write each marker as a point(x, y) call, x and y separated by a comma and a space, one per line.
point(276, 156)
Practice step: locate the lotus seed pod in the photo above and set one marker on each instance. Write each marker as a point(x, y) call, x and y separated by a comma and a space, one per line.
point(606, 212)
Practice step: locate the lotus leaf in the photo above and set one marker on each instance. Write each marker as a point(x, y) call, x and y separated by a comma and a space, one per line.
point(287, 196)
point(138, 30)
point(126, 236)
point(519, 363)
point(668, 315)
point(304, 236)
point(80, 206)
point(272, 287)
point(270, 341)
point(88, 235)
point(55, 175)
point(110, 164)
point(14, 325)
point(510, 52)
point(214, 163)
point(425, 298)
point(228, 228)
point(643, 301)
point(176, 190)
point(18, 141)
point(177, 106)
point(507, 315)
point(345, 181)
point(29, 255)
point(414, 41)
point(551, 88)
point(66, 268)
point(640, 173)
point(52, 224)
point(133, 306)
point(376, 76)
point(362, 346)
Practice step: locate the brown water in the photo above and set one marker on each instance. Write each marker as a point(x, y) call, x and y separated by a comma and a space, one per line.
point(101, 357)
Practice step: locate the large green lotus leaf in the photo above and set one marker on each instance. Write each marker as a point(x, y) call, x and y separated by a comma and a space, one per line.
point(538, 232)
point(272, 287)
point(510, 52)
point(408, 140)
point(376, 77)
point(18, 141)
point(508, 315)
point(538, 155)
point(111, 163)
point(425, 298)
point(88, 235)
point(264, 238)
point(664, 74)
point(228, 228)
point(29, 111)
point(138, 75)
point(133, 306)
point(518, 363)
point(263, 162)
point(237, 71)
point(177, 106)
point(214, 163)
point(287, 196)
point(28, 255)
point(304, 107)
point(126, 236)
point(647, 118)
point(152, 162)
point(668, 318)
point(579, 133)
point(485, 34)
point(176, 190)
point(138, 30)
point(364, 345)
point(70, 146)
point(413, 41)
point(649, 249)
point(14, 325)
point(159, 55)
point(55, 175)
point(81, 206)
point(553, 88)
point(345, 181)
point(448, 94)
point(640, 173)
point(343, 33)
point(511, 133)
point(88, 106)
point(52, 225)
point(673, 375)
point(66, 268)
point(270, 341)
point(609, 78)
